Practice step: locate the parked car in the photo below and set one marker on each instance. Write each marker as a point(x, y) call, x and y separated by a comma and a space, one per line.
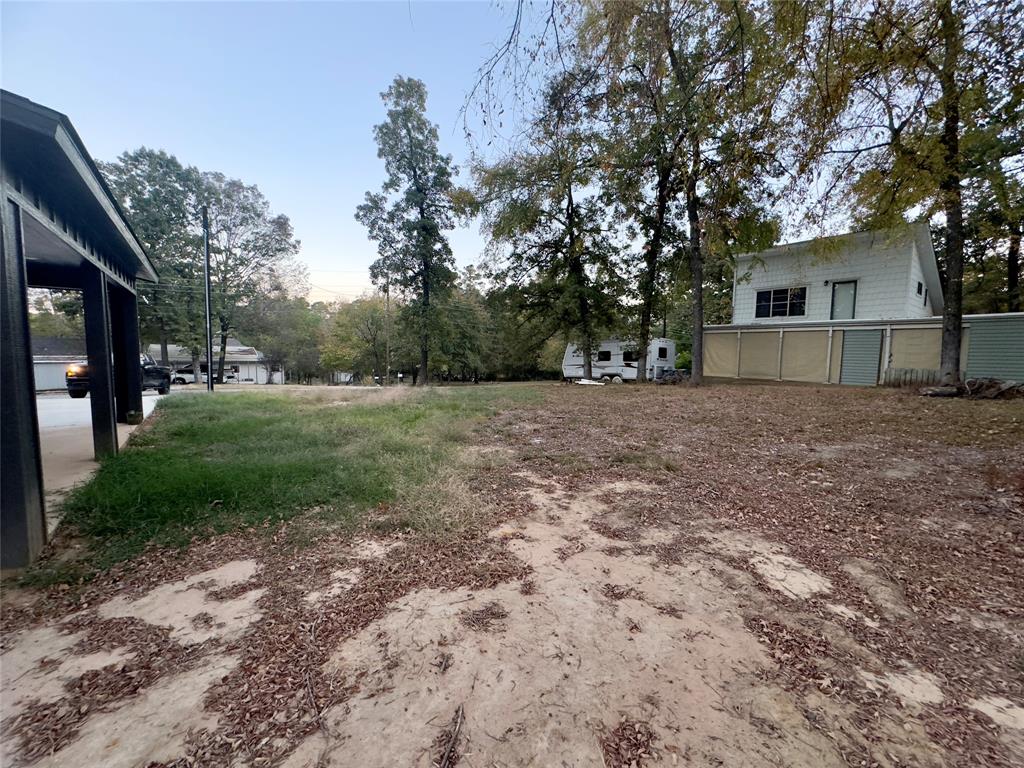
point(186, 375)
point(153, 377)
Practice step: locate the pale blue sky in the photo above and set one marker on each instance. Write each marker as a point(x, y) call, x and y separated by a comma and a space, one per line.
point(282, 95)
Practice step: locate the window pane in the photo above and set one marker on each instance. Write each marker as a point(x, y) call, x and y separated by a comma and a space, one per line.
point(780, 302)
point(662, 353)
point(604, 356)
point(629, 356)
point(797, 302)
point(764, 304)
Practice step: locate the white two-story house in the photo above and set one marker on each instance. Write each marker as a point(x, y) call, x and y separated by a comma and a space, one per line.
point(861, 308)
point(880, 275)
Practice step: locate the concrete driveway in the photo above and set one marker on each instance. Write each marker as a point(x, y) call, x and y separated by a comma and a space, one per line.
point(65, 439)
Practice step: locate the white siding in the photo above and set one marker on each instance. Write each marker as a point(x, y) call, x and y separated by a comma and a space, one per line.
point(884, 268)
point(916, 304)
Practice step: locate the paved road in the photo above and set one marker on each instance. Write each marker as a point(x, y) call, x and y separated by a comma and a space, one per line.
point(58, 410)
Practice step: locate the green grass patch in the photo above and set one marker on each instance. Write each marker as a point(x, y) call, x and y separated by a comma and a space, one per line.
point(211, 464)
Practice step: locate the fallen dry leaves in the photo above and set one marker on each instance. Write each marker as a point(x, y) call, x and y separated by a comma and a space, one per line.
point(927, 495)
point(629, 745)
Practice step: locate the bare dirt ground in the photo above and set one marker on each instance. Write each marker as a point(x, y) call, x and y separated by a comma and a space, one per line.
point(735, 576)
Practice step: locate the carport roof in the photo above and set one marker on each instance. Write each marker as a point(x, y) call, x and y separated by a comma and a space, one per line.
point(41, 145)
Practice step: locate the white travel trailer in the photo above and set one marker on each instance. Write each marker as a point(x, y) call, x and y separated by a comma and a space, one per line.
point(615, 361)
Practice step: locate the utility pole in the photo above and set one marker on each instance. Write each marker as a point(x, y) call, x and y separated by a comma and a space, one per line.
point(206, 282)
point(387, 331)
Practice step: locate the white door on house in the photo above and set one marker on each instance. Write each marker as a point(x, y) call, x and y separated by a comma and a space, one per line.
point(844, 300)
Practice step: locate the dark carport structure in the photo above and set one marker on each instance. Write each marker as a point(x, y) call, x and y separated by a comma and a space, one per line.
point(62, 228)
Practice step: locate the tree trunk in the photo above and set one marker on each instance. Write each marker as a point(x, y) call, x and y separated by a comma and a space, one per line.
point(696, 271)
point(224, 327)
point(1013, 268)
point(645, 326)
point(588, 358)
point(165, 356)
point(579, 275)
point(952, 197)
point(652, 257)
point(648, 288)
point(196, 366)
point(424, 335)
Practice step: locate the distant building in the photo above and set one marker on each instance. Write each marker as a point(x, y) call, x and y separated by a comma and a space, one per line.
point(243, 364)
point(51, 355)
point(862, 308)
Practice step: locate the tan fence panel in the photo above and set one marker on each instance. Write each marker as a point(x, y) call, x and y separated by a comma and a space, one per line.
point(915, 348)
point(837, 357)
point(720, 354)
point(804, 355)
point(759, 355)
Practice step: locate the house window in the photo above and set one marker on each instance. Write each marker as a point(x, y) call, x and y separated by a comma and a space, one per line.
point(781, 302)
point(604, 356)
point(663, 353)
point(630, 356)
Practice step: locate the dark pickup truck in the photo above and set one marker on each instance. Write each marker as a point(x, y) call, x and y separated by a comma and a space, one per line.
point(153, 377)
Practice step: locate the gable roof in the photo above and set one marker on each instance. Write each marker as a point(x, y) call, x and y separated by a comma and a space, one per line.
point(57, 346)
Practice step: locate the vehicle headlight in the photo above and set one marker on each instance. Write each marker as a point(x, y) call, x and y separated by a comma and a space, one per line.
point(74, 370)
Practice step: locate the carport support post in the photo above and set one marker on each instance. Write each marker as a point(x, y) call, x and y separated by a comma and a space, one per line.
point(98, 348)
point(124, 312)
point(22, 511)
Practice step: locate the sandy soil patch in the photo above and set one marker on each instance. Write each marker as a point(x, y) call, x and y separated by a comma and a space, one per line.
point(187, 607)
point(40, 662)
point(564, 664)
point(914, 688)
point(1002, 711)
point(150, 728)
point(849, 613)
point(790, 576)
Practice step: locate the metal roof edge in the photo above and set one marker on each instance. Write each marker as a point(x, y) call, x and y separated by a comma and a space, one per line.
point(81, 157)
point(803, 245)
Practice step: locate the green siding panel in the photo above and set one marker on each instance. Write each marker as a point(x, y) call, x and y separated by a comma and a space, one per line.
point(862, 351)
point(996, 348)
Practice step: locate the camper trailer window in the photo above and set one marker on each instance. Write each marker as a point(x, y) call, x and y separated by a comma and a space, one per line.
point(604, 356)
point(663, 353)
point(629, 356)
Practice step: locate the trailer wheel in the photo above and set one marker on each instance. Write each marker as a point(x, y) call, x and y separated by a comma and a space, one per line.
point(605, 379)
point(617, 380)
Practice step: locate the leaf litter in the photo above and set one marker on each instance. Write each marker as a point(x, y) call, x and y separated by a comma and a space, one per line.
point(729, 667)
